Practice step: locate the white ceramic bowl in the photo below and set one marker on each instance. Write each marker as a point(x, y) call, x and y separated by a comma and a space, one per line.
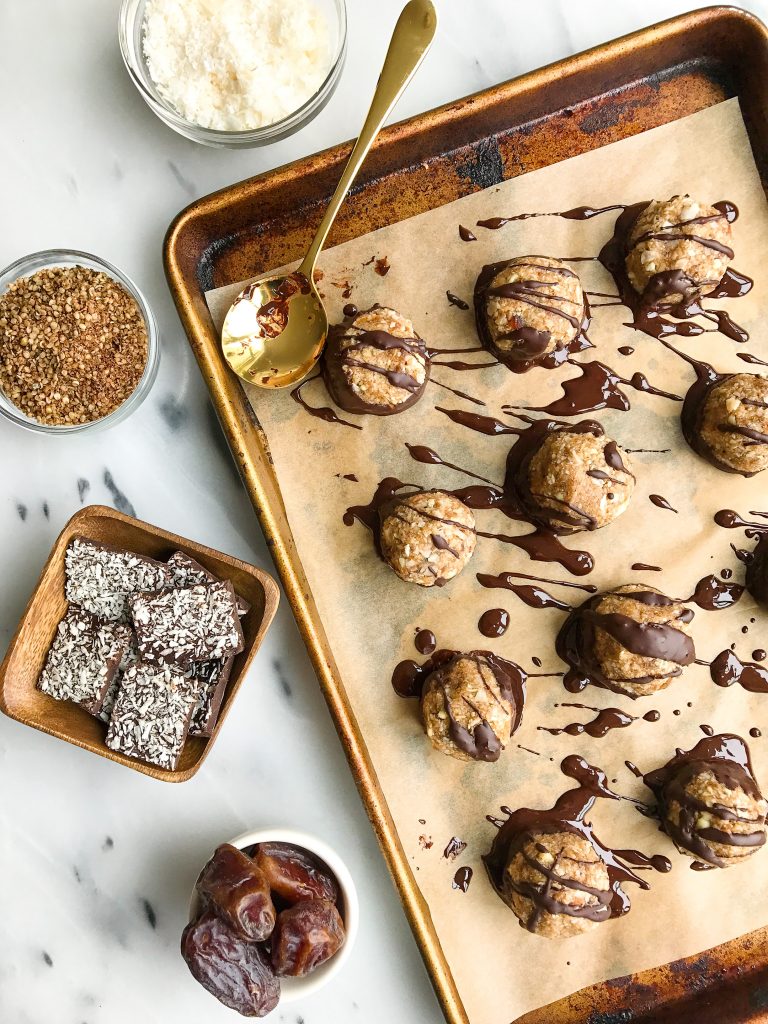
point(293, 989)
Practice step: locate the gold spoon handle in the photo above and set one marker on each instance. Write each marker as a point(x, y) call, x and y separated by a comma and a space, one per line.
point(413, 35)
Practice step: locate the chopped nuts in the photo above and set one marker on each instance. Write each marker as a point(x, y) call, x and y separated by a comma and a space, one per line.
point(73, 345)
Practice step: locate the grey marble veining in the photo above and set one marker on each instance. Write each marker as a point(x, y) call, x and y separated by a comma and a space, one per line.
point(100, 859)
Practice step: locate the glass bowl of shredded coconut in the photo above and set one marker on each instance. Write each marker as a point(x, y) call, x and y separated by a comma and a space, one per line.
point(234, 73)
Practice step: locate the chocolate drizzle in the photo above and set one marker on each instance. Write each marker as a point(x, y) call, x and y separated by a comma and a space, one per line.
point(343, 353)
point(726, 758)
point(494, 622)
point(596, 387)
point(661, 502)
point(320, 412)
point(647, 309)
point(454, 300)
point(521, 830)
point(713, 594)
point(529, 345)
point(462, 878)
point(575, 642)
point(606, 719)
point(728, 669)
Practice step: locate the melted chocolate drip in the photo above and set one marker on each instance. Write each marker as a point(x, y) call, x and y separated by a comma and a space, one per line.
point(713, 594)
point(643, 567)
point(575, 642)
point(461, 879)
point(606, 720)
point(459, 394)
point(466, 235)
point(454, 848)
point(454, 300)
point(320, 412)
point(661, 502)
point(726, 757)
point(577, 213)
point(596, 387)
point(523, 826)
point(494, 622)
point(727, 668)
point(424, 641)
point(429, 457)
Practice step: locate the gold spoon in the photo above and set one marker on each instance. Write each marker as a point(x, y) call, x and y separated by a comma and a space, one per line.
point(275, 330)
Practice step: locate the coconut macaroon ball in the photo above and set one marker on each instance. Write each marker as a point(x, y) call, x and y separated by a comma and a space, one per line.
point(639, 639)
point(428, 537)
point(731, 424)
point(711, 806)
point(578, 481)
point(528, 307)
point(677, 249)
point(557, 884)
point(376, 363)
point(467, 711)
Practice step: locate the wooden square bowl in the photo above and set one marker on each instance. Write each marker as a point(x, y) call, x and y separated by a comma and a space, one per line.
point(29, 646)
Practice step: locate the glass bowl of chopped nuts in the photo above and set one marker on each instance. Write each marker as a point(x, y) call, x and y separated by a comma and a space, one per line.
point(79, 346)
point(238, 75)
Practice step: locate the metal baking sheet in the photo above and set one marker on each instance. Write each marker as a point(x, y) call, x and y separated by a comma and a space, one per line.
point(636, 83)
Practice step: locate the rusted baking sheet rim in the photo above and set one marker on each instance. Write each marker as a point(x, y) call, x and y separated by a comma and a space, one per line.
point(203, 249)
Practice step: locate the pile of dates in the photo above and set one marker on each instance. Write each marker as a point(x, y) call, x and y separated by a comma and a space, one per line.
point(266, 913)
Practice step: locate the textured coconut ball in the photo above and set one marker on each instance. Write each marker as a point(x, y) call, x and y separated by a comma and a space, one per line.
point(718, 820)
point(572, 486)
point(678, 249)
point(427, 538)
point(376, 363)
point(530, 307)
point(757, 572)
point(467, 712)
point(557, 884)
point(733, 423)
point(632, 664)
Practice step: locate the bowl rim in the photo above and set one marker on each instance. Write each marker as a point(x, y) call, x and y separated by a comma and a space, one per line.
point(127, 18)
point(31, 263)
point(293, 989)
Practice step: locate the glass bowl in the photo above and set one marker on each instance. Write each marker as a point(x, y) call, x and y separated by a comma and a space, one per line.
point(28, 265)
point(131, 26)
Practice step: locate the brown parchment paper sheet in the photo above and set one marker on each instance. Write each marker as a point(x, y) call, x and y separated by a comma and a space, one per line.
point(370, 616)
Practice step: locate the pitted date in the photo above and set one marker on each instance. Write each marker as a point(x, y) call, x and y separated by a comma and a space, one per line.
point(237, 972)
point(293, 874)
point(305, 936)
point(233, 886)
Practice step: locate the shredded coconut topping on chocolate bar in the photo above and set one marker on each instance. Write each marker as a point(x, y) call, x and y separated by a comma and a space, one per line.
point(212, 677)
point(100, 579)
point(83, 660)
point(191, 624)
point(151, 715)
point(187, 572)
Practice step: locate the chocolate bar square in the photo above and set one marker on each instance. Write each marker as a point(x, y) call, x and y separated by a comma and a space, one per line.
point(179, 627)
point(188, 573)
point(150, 719)
point(212, 677)
point(100, 579)
point(84, 659)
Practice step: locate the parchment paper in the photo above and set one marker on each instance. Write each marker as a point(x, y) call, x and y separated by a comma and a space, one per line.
point(370, 616)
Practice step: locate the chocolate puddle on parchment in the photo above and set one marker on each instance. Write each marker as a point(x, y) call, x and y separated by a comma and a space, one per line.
point(567, 815)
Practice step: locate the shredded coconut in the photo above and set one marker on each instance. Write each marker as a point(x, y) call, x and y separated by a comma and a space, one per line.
point(234, 65)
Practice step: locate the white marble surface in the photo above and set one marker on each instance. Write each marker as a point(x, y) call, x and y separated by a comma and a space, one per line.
point(87, 847)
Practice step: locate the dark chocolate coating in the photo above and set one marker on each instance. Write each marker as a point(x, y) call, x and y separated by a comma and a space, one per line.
point(757, 572)
point(336, 358)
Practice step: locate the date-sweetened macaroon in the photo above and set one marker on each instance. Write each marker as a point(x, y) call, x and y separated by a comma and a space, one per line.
point(470, 708)
point(725, 420)
point(427, 538)
point(678, 249)
point(569, 477)
point(632, 639)
point(528, 308)
point(710, 803)
point(375, 363)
